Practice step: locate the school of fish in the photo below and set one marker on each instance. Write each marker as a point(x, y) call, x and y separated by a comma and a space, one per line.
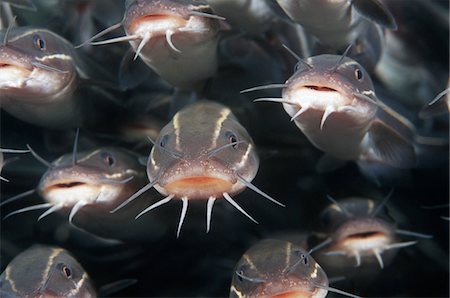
point(224, 148)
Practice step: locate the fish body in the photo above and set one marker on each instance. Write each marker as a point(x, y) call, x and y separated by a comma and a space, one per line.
point(94, 178)
point(408, 66)
point(358, 232)
point(39, 74)
point(275, 268)
point(88, 187)
point(194, 132)
point(173, 39)
point(204, 153)
point(43, 271)
point(346, 136)
point(338, 24)
point(362, 230)
point(332, 100)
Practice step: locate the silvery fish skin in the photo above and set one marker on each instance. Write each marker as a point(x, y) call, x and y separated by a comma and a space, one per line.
point(176, 43)
point(340, 23)
point(43, 271)
point(275, 268)
point(38, 77)
point(332, 100)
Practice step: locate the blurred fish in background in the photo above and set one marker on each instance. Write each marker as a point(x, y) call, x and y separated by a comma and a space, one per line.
point(110, 109)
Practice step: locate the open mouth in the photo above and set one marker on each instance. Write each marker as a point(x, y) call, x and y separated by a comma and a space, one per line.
point(366, 235)
point(293, 294)
point(198, 187)
point(10, 72)
point(319, 97)
point(61, 186)
point(365, 241)
point(320, 88)
point(156, 23)
point(67, 185)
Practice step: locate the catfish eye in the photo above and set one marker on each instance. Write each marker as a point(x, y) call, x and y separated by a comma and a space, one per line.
point(66, 271)
point(108, 159)
point(163, 141)
point(40, 43)
point(232, 138)
point(358, 74)
point(240, 272)
point(239, 275)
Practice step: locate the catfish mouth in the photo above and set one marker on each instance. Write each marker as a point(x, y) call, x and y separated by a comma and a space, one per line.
point(62, 185)
point(293, 294)
point(365, 235)
point(11, 72)
point(201, 187)
point(289, 289)
point(65, 185)
point(68, 192)
point(319, 96)
point(156, 24)
point(320, 88)
point(202, 180)
point(365, 241)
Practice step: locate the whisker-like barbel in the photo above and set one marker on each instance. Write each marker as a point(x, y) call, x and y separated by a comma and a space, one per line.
point(39, 158)
point(135, 196)
point(264, 87)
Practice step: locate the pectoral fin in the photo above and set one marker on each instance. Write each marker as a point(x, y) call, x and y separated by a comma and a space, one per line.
point(387, 146)
point(375, 11)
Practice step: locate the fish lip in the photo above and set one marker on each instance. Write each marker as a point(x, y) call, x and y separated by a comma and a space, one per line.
point(69, 183)
point(67, 177)
point(12, 57)
point(364, 235)
point(63, 184)
point(16, 63)
point(285, 287)
point(327, 84)
point(144, 8)
point(146, 23)
point(198, 179)
point(180, 13)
